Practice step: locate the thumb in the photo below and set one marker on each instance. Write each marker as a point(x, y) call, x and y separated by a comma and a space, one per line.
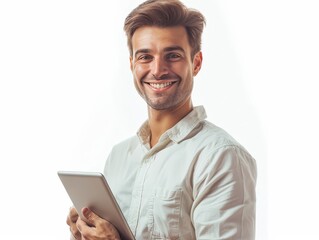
point(90, 216)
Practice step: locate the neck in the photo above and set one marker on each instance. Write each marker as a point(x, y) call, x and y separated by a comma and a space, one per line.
point(162, 120)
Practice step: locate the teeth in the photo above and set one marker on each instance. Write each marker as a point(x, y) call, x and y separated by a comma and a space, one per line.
point(160, 85)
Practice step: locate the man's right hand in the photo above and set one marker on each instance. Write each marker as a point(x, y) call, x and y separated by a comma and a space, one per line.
point(93, 228)
point(71, 221)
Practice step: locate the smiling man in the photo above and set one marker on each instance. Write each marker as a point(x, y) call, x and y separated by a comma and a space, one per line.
point(180, 177)
point(163, 68)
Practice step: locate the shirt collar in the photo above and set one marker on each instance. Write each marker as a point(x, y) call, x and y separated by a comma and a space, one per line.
point(180, 131)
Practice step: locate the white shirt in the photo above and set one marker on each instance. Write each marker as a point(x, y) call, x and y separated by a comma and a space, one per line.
point(197, 182)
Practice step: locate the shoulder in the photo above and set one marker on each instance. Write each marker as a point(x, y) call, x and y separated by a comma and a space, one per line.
point(119, 154)
point(219, 147)
point(126, 145)
point(214, 137)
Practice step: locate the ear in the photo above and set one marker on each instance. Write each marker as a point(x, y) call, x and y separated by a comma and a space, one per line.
point(197, 62)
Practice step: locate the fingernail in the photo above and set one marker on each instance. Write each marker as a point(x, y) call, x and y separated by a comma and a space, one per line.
point(85, 211)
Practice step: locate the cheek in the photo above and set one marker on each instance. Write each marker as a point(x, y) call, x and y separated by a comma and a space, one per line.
point(184, 71)
point(139, 71)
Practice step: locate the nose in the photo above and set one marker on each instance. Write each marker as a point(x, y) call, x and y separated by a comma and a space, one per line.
point(159, 68)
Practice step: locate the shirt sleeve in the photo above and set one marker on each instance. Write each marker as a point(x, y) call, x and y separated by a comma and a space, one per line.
point(224, 195)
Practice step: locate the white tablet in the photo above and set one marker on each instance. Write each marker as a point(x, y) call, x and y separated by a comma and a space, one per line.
point(90, 189)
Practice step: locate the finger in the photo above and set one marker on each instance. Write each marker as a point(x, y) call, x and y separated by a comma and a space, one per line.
point(90, 216)
point(75, 235)
point(75, 231)
point(73, 214)
point(82, 227)
point(72, 217)
point(71, 221)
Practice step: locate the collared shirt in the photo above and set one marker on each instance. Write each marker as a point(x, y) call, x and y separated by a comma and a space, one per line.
point(197, 182)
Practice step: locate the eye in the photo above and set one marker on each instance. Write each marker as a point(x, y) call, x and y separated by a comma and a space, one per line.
point(173, 56)
point(144, 58)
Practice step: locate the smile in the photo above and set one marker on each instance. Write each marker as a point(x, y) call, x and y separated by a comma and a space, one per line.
point(160, 85)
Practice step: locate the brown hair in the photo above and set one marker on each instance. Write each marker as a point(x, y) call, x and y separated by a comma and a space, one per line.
point(166, 13)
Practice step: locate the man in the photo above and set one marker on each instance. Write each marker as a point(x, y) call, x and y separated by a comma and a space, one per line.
point(181, 177)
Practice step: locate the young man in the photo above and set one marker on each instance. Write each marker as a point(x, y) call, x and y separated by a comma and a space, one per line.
point(181, 177)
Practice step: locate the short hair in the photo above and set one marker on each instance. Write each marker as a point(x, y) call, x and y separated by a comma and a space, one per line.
point(166, 13)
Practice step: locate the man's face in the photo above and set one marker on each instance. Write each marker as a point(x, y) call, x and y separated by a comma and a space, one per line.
point(162, 67)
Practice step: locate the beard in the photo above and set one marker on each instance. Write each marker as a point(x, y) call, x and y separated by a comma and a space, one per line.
point(162, 102)
point(167, 99)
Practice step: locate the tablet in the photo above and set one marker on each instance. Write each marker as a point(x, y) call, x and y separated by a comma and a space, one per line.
point(90, 189)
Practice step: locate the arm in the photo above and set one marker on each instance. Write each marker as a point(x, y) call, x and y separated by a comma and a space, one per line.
point(224, 195)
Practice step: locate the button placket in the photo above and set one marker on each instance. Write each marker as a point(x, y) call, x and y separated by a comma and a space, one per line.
point(137, 193)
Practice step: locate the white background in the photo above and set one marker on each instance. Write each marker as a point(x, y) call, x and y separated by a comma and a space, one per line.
point(66, 96)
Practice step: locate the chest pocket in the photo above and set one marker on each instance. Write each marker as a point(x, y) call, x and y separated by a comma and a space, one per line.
point(164, 214)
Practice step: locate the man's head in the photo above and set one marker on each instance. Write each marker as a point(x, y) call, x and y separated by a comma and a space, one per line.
point(166, 13)
point(164, 39)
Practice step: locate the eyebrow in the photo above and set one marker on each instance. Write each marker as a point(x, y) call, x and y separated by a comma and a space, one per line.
point(144, 50)
point(167, 49)
point(174, 48)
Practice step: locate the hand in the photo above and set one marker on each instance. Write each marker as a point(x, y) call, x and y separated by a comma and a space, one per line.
point(94, 228)
point(71, 221)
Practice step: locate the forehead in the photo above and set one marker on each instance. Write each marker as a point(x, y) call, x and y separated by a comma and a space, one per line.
point(157, 38)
